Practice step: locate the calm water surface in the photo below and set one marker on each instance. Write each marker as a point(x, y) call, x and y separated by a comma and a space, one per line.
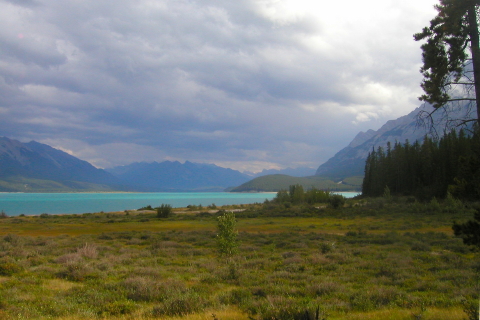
point(15, 204)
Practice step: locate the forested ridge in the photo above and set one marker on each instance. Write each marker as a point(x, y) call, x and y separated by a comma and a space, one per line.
point(426, 170)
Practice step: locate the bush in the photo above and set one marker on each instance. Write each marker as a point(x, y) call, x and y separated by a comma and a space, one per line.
point(327, 247)
point(236, 297)
point(116, 308)
point(164, 211)
point(180, 305)
point(9, 268)
point(227, 242)
point(336, 200)
point(469, 231)
point(88, 251)
point(285, 309)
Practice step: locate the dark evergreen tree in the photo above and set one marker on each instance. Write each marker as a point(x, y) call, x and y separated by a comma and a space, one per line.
point(451, 56)
point(430, 169)
point(469, 231)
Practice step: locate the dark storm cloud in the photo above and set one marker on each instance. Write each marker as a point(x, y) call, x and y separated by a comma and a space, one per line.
point(237, 82)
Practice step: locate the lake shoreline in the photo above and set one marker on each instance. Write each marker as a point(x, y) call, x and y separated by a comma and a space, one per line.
point(15, 204)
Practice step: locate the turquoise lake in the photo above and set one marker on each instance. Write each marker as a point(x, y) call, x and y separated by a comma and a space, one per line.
point(14, 204)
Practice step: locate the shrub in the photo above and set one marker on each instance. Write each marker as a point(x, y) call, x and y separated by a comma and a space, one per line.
point(227, 242)
point(180, 305)
point(13, 239)
point(116, 308)
point(336, 200)
point(78, 271)
point(420, 246)
point(236, 297)
point(278, 308)
point(88, 251)
point(469, 231)
point(9, 268)
point(327, 247)
point(141, 288)
point(164, 211)
point(471, 308)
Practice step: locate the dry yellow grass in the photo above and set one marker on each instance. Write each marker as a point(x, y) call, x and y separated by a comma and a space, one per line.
point(402, 314)
point(32, 226)
point(60, 284)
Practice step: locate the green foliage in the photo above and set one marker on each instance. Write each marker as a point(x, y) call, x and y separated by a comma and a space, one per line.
point(471, 308)
point(180, 305)
point(277, 182)
point(445, 58)
point(336, 201)
point(353, 263)
point(469, 231)
point(227, 242)
point(286, 309)
point(386, 194)
point(297, 195)
point(117, 308)
point(164, 211)
point(282, 196)
point(443, 53)
point(426, 170)
point(8, 268)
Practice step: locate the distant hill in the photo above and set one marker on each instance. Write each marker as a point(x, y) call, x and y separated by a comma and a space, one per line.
point(35, 166)
point(350, 161)
point(294, 172)
point(278, 182)
point(175, 176)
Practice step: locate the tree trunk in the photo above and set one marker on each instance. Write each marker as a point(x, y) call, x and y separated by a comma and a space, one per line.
point(475, 48)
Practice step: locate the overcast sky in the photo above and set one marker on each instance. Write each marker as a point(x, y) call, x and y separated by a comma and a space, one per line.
point(247, 84)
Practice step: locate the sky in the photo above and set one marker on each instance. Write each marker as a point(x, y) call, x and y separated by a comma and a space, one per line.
point(247, 84)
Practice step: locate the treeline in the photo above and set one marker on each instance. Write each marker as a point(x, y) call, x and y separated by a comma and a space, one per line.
point(426, 170)
point(297, 195)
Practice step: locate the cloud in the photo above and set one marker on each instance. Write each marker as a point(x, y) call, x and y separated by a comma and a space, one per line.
point(273, 82)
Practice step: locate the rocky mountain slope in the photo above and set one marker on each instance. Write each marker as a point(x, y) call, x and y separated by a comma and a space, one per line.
point(35, 166)
point(294, 172)
point(22, 162)
point(350, 161)
point(175, 176)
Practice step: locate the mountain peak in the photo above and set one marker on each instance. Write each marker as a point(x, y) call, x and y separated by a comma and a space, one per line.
point(34, 160)
point(14, 150)
point(361, 137)
point(350, 161)
point(175, 176)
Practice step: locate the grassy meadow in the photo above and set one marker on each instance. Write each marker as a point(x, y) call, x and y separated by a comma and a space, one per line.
point(371, 259)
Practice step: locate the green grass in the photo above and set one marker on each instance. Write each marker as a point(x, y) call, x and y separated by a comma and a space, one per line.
point(369, 260)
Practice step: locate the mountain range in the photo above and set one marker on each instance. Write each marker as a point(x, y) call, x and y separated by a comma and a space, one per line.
point(32, 166)
point(293, 172)
point(350, 161)
point(37, 167)
point(346, 168)
point(175, 176)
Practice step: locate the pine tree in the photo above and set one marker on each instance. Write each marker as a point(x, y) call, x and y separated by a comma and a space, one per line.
point(451, 57)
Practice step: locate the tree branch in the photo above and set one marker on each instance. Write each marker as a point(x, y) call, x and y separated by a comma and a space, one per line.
point(463, 99)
